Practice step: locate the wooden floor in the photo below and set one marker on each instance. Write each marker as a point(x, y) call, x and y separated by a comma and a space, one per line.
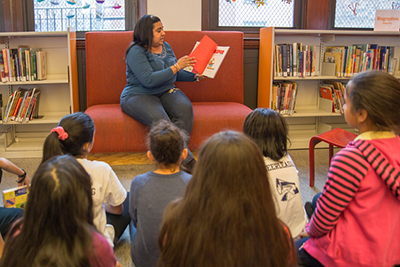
point(124, 158)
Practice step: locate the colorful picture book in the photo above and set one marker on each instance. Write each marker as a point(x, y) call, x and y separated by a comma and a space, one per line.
point(15, 197)
point(209, 57)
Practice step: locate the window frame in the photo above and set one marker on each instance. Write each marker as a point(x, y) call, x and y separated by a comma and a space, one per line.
point(210, 14)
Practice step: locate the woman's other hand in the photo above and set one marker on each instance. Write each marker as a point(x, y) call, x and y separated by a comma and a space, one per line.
point(199, 77)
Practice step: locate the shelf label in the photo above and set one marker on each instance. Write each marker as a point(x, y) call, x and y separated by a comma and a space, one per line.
point(387, 20)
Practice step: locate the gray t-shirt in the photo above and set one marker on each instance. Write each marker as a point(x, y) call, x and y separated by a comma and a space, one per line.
point(149, 195)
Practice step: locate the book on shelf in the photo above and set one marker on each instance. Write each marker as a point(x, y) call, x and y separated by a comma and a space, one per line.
point(333, 91)
point(22, 61)
point(284, 97)
point(33, 55)
point(41, 65)
point(295, 60)
point(28, 65)
point(5, 62)
point(209, 57)
point(23, 105)
point(2, 68)
point(334, 57)
point(16, 197)
point(23, 64)
point(361, 57)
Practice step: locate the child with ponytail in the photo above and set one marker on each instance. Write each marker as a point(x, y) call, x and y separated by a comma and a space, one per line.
point(74, 135)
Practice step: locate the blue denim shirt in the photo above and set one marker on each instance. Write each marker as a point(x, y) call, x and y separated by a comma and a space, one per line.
point(150, 73)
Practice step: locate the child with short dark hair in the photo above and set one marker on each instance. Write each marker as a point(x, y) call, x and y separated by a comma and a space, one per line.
point(356, 221)
point(74, 135)
point(151, 192)
point(270, 132)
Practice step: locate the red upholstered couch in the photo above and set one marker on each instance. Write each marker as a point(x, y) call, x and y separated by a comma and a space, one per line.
point(217, 103)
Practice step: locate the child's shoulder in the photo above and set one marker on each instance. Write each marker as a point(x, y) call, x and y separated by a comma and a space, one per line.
point(93, 162)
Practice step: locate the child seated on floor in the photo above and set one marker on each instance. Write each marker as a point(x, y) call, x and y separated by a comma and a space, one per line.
point(227, 215)
point(57, 227)
point(356, 219)
point(151, 192)
point(74, 135)
point(270, 132)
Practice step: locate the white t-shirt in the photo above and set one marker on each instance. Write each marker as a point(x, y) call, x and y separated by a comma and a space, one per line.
point(106, 188)
point(285, 188)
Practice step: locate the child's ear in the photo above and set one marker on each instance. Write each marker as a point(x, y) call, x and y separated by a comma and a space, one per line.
point(362, 115)
point(184, 154)
point(150, 156)
point(87, 147)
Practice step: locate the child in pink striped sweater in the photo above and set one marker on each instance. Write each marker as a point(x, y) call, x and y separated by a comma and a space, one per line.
point(357, 218)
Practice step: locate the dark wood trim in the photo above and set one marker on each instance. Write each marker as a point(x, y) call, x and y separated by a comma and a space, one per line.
point(316, 14)
point(205, 15)
point(332, 11)
point(141, 8)
point(8, 22)
point(1, 16)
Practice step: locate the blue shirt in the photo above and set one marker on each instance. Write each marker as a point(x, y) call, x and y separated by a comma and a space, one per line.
point(150, 194)
point(150, 73)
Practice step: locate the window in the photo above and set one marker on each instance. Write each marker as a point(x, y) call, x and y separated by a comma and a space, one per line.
point(249, 15)
point(360, 14)
point(82, 15)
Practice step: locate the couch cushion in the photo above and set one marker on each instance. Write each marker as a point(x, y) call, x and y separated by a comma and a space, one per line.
point(118, 132)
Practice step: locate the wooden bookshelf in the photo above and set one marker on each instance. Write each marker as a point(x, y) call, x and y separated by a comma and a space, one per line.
point(58, 93)
point(311, 116)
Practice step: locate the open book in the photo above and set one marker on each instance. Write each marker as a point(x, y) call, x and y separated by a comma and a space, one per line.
point(15, 197)
point(209, 57)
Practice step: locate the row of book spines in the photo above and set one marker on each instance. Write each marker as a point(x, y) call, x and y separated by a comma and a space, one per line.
point(284, 97)
point(358, 58)
point(294, 60)
point(21, 64)
point(22, 105)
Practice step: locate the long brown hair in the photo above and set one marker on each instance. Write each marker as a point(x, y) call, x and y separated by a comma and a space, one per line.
point(58, 221)
point(227, 216)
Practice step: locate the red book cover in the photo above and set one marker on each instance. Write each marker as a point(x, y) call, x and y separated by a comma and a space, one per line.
point(17, 107)
point(202, 53)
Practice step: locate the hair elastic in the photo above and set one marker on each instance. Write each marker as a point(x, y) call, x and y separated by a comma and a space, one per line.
point(62, 135)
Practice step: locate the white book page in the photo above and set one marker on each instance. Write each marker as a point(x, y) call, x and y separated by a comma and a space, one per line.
point(215, 61)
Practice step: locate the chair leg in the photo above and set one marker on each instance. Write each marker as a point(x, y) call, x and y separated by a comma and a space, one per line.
point(313, 143)
point(330, 153)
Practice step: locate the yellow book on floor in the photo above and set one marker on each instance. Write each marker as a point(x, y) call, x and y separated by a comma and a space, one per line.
point(15, 197)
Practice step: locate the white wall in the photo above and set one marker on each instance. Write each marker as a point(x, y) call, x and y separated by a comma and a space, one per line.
point(177, 14)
